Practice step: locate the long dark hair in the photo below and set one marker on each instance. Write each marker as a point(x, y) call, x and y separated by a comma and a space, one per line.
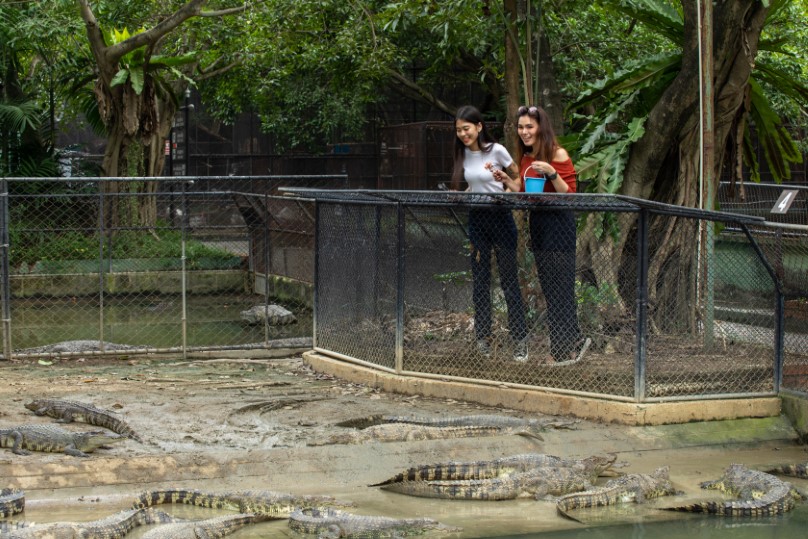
point(547, 139)
point(485, 140)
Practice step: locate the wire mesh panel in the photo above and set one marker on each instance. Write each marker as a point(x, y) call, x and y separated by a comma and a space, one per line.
point(711, 325)
point(571, 293)
point(143, 264)
point(495, 293)
point(357, 279)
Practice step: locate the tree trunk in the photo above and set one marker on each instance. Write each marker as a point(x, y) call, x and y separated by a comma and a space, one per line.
point(664, 164)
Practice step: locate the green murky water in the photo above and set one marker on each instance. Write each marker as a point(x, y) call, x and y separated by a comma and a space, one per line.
point(791, 525)
point(150, 320)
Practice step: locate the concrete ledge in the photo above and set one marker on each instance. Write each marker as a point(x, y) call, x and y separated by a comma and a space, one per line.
point(544, 402)
point(796, 409)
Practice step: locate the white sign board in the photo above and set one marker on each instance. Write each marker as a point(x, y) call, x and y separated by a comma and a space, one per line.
point(784, 202)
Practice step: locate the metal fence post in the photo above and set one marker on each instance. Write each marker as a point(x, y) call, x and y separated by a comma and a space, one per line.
point(101, 233)
point(184, 286)
point(4, 207)
point(779, 309)
point(315, 299)
point(642, 307)
point(400, 288)
point(266, 270)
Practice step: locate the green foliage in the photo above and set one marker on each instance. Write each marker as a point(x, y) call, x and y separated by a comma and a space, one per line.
point(28, 247)
point(623, 100)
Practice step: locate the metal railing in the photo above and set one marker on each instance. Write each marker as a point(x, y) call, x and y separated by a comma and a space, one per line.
point(678, 303)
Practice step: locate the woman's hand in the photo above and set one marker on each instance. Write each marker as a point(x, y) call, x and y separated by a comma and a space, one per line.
point(542, 167)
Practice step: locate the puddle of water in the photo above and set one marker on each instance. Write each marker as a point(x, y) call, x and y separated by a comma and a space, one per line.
point(153, 321)
point(791, 525)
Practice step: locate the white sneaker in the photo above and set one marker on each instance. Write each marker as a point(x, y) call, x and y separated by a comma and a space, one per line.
point(484, 348)
point(520, 351)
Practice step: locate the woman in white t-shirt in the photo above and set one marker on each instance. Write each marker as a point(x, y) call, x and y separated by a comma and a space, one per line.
point(477, 159)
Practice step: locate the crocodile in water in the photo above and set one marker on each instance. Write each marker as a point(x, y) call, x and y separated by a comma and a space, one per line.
point(53, 439)
point(536, 483)
point(12, 501)
point(593, 467)
point(793, 470)
point(628, 488)
point(210, 528)
point(334, 524)
point(273, 504)
point(759, 493)
point(112, 527)
point(66, 411)
point(404, 432)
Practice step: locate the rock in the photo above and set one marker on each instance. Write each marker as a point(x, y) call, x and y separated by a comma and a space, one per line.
point(275, 314)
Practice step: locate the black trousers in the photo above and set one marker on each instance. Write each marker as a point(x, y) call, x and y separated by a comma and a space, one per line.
point(494, 230)
point(552, 240)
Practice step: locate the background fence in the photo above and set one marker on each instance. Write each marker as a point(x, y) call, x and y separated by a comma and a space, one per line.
point(704, 317)
point(167, 264)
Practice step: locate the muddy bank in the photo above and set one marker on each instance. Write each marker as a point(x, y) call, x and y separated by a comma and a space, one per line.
point(232, 423)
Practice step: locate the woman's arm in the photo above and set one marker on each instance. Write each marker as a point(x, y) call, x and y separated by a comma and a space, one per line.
point(510, 178)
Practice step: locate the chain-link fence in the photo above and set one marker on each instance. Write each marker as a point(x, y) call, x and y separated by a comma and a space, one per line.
point(583, 294)
point(784, 240)
point(158, 264)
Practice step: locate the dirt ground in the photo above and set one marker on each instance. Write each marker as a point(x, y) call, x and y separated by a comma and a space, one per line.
point(224, 423)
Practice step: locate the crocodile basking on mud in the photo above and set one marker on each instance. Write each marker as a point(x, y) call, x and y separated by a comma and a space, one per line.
point(65, 411)
point(535, 482)
point(12, 501)
point(210, 528)
point(591, 467)
point(49, 438)
point(268, 503)
point(792, 470)
point(628, 488)
point(335, 524)
point(112, 527)
point(482, 420)
point(760, 493)
point(405, 432)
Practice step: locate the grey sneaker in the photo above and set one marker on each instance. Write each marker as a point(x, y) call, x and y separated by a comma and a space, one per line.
point(484, 348)
point(520, 351)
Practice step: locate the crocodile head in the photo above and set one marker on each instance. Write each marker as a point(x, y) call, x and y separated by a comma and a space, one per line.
point(598, 464)
point(35, 405)
point(93, 439)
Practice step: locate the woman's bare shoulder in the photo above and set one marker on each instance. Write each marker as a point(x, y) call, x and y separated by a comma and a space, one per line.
point(560, 154)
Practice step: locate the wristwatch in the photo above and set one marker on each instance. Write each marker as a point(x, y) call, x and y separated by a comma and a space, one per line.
point(552, 176)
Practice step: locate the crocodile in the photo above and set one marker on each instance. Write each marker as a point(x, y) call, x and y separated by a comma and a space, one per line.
point(262, 502)
point(404, 432)
point(627, 488)
point(65, 411)
point(50, 438)
point(12, 501)
point(593, 467)
point(793, 470)
point(759, 493)
point(210, 528)
point(335, 524)
point(112, 527)
point(536, 482)
point(481, 420)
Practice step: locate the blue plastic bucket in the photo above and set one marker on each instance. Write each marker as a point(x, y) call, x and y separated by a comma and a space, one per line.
point(534, 185)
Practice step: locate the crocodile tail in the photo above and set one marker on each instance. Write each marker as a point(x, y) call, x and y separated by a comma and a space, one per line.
point(793, 470)
point(181, 496)
point(710, 507)
point(12, 501)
